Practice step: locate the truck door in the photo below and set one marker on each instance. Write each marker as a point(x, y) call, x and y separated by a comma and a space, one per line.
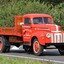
point(27, 30)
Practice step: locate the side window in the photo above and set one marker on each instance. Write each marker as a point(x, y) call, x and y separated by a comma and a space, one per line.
point(27, 21)
point(50, 21)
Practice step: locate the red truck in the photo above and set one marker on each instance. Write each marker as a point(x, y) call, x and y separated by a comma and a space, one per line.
point(35, 32)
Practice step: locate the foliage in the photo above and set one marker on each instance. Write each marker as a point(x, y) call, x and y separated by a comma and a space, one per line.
point(10, 8)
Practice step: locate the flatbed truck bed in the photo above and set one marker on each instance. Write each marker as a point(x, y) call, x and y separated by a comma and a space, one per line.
point(10, 31)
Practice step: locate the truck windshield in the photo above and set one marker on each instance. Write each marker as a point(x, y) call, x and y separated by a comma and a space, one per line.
point(40, 20)
point(37, 20)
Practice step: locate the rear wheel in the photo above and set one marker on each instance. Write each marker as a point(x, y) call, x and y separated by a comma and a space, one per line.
point(37, 48)
point(4, 45)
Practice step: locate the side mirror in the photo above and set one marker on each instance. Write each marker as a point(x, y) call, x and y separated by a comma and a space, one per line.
point(22, 23)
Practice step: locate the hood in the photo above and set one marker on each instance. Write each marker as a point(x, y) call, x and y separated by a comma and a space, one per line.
point(50, 27)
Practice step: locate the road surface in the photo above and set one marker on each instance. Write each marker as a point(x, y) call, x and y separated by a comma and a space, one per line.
point(49, 54)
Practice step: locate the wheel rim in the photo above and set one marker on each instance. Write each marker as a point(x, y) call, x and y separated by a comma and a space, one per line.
point(0, 45)
point(36, 46)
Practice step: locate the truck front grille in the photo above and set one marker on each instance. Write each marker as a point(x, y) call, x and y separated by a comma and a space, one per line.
point(57, 38)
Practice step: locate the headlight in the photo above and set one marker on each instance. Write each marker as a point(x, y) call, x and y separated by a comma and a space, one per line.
point(48, 35)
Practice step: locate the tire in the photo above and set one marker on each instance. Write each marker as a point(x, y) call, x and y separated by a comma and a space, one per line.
point(37, 48)
point(61, 51)
point(4, 45)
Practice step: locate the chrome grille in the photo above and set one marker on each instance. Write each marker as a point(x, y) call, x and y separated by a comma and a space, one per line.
point(63, 38)
point(57, 38)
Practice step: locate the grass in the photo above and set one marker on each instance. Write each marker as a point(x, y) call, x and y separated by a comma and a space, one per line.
point(10, 60)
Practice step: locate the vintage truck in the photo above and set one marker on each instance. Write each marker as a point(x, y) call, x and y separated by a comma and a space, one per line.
point(35, 32)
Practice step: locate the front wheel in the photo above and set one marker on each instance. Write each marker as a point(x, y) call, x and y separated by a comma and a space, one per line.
point(37, 48)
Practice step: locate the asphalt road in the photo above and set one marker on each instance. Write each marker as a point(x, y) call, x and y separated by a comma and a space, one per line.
point(49, 54)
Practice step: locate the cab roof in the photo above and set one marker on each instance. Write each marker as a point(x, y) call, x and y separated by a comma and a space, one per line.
point(36, 15)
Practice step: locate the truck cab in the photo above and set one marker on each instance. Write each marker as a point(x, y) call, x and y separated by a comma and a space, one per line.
point(35, 25)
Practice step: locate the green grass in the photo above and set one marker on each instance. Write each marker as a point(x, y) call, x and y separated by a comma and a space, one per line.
point(10, 60)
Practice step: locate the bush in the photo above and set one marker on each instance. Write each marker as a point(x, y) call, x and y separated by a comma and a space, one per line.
point(10, 8)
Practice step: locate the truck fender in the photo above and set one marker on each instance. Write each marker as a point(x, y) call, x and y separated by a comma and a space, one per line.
point(40, 38)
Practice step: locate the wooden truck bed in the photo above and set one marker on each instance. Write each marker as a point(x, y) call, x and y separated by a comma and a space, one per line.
point(10, 31)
